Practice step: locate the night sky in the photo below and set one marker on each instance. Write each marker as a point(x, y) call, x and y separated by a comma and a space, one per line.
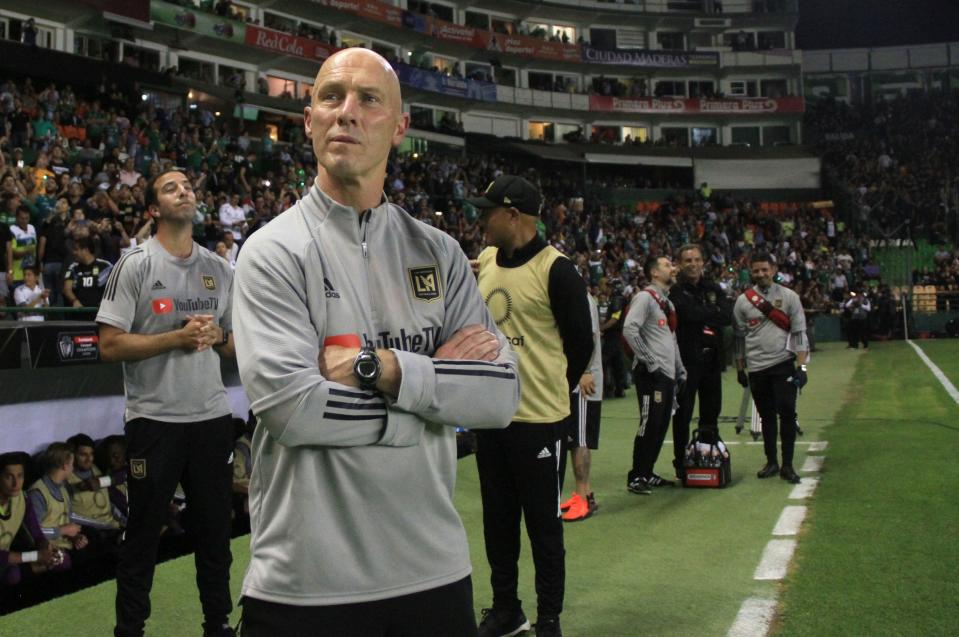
point(836, 24)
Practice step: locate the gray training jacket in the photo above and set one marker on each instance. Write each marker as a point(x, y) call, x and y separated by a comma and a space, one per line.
point(760, 341)
point(351, 495)
point(646, 330)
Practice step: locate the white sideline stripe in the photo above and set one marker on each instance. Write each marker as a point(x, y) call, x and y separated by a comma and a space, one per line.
point(775, 560)
point(813, 464)
point(946, 383)
point(818, 446)
point(804, 489)
point(754, 618)
point(790, 520)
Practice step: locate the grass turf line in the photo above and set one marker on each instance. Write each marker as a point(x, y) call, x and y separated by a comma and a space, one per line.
point(880, 551)
point(679, 562)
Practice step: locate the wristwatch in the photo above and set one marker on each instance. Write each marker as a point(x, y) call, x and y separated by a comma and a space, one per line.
point(367, 367)
point(224, 340)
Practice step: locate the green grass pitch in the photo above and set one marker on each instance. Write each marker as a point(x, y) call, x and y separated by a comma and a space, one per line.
point(878, 553)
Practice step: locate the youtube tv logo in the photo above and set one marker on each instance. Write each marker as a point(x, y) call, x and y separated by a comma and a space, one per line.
point(162, 306)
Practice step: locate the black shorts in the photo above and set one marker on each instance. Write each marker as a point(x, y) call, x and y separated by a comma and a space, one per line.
point(582, 426)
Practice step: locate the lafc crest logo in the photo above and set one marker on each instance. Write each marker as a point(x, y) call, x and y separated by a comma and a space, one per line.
point(208, 282)
point(138, 468)
point(425, 283)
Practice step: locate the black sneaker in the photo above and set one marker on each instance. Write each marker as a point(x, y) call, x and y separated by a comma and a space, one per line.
point(770, 470)
point(639, 486)
point(789, 474)
point(657, 480)
point(224, 630)
point(548, 627)
point(499, 622)
point(591, 501)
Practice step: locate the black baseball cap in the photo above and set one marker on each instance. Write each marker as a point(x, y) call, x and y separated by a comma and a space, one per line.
point(510, 191)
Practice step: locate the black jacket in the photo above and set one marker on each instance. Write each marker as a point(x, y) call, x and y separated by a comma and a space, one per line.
point(701, 306)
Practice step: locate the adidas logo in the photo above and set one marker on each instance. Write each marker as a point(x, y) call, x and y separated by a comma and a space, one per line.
point(544, 453)
point(330, 292)
point(158, 285)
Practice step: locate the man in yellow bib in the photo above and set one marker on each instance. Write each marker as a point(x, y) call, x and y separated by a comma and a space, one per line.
point(538, 300)
point(19, 522)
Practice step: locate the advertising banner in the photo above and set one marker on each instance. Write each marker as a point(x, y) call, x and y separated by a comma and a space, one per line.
point(660, 59)
point(198, 22)
point(287, 44)
point(457, 33)
point(695, 106)
point(440, 83)
point(379, 11)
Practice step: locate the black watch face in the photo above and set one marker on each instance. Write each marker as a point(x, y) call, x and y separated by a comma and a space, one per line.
point(366, 369)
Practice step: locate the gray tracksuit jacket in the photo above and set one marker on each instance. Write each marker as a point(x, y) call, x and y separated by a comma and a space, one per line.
point(351, 491)
point(646, 330)
point(760, 341)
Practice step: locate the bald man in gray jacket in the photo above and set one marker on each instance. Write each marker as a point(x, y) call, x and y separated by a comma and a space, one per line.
point(362, 342)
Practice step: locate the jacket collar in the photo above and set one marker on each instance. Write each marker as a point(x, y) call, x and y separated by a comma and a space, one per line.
point(321, 206)
point(521, 255)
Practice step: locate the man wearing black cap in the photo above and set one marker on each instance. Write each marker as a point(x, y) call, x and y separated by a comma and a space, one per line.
point(538, 300)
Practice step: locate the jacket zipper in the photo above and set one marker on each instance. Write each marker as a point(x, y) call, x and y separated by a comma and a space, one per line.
point(364, 227)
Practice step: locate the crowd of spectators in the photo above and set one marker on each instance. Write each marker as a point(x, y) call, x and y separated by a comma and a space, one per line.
point(894, 160)
point(75, 167)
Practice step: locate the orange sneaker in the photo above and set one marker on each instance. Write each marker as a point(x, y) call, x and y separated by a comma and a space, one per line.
point(579, 510)
point(564, 507)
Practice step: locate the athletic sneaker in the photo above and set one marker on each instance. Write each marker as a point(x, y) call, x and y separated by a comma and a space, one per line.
point(770, 470)
point(224, 630)
point(498, 622)
point(548, 627)
point(564, 507)
point(789, 474)
point(656, 480)
point(639, 486)
point(591, 501)
point(577, 511)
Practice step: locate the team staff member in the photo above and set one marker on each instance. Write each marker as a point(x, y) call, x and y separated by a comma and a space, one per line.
point(166, 314)
point(657, 368)
point(703, 310)
point(538, 299)
point(362, 342)
point(770, 330)
point(857, 309)
point(86, 278)
point(614, 359)
point(582, 427)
